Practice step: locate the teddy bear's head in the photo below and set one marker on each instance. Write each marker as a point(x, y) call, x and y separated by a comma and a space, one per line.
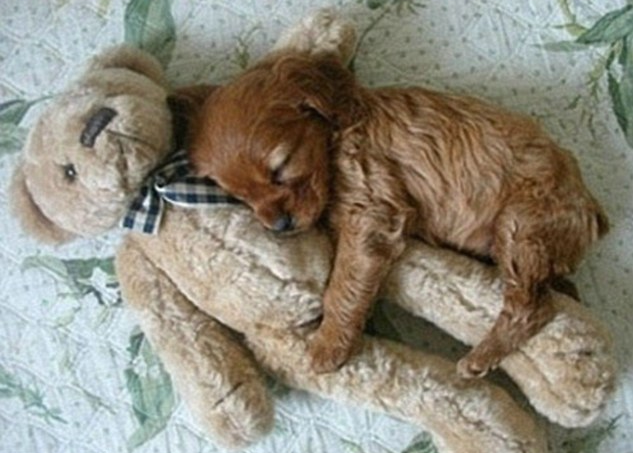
point(91, 150)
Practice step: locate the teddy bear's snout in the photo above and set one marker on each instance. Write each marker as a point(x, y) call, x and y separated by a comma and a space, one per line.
point(95, 125)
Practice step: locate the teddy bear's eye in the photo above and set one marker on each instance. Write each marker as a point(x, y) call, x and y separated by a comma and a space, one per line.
point(70, 172)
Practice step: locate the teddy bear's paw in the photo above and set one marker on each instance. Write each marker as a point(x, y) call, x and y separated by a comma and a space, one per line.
point(240, 417)
point(331, 33)
point(330, 348)
point(322, 31)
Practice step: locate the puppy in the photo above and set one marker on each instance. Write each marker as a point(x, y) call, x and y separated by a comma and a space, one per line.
point(298, 139)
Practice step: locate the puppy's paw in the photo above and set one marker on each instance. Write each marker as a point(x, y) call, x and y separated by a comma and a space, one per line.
point(471, 369)
point(329, 349)
point(478, 363)
point(322, 31)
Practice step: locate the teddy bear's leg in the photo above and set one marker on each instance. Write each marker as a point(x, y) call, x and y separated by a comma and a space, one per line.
point(566, 370)
point(321, 31)
point(464, 416)
point(212, 371)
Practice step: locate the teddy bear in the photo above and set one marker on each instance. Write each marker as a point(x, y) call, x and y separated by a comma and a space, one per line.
point(225, 303)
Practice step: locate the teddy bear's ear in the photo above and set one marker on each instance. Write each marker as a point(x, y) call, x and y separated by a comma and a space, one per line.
point(31, 217)
point(129, 57)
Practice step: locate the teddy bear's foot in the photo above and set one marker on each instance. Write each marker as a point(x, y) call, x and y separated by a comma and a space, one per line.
point(322, 31)
point(213, 372)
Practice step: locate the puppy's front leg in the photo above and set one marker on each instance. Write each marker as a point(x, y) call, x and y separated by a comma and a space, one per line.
point(363, 258)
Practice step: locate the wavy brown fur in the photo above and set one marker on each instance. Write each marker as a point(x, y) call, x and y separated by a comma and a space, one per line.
point(297, 137)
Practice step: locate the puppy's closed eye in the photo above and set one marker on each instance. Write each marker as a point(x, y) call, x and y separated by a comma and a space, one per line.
point(289, 172)
point(277, 162)
point(276, 176)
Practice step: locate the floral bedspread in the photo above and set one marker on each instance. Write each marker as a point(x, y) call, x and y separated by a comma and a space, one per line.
point(76, 374)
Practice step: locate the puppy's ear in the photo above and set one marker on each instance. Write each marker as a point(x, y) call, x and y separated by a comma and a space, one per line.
point(320, 86)
point(185, 104)
point(188, 100)
point(31, 217)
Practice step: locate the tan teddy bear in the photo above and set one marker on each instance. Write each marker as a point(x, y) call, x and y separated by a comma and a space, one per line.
point(224, 302)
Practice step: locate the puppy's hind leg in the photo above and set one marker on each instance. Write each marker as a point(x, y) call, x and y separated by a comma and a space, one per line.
point(523, 253)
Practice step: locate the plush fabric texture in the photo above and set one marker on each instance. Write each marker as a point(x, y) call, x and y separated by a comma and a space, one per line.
point(243, 290)
point(76, 373)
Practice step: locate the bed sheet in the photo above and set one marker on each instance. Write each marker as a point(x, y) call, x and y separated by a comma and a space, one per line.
point(76, 374)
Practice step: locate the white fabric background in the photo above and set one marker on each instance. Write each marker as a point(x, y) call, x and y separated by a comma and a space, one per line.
point(60, 349)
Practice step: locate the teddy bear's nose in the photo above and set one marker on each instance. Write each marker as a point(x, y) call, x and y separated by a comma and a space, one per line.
point(95, 124)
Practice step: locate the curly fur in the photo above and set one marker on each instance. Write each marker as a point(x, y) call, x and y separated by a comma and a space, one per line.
point(402, 162)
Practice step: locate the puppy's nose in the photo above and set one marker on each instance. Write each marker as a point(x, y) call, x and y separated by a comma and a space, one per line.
point(283, 224)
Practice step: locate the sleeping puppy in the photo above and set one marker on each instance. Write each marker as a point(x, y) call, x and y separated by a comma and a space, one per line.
point(298, 139)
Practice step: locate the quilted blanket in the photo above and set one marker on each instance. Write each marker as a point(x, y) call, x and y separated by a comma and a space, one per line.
point(76, 374)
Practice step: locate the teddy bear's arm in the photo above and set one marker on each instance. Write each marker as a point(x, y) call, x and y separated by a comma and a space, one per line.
point(566, 371)
point(463, 416)
point(212, 371)
point(321, 32)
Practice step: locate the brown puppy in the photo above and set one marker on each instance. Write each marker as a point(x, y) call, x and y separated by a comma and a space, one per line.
point(296, 137)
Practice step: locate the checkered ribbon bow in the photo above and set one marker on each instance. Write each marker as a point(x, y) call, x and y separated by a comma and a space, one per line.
point(172, 183)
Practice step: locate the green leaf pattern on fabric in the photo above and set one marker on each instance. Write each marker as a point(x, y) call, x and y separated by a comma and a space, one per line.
point(12, 112)
point(32, 398)
point(615, 30)
point(572, 26)
point(150, 26)
point(12, 136)
point(621, 91)
point(83, 277)
point(421, 444)
point(242, 53)
point(612, 27)
point(150, 388)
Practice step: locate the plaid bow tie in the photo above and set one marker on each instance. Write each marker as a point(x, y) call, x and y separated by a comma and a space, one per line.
point(173, 183)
